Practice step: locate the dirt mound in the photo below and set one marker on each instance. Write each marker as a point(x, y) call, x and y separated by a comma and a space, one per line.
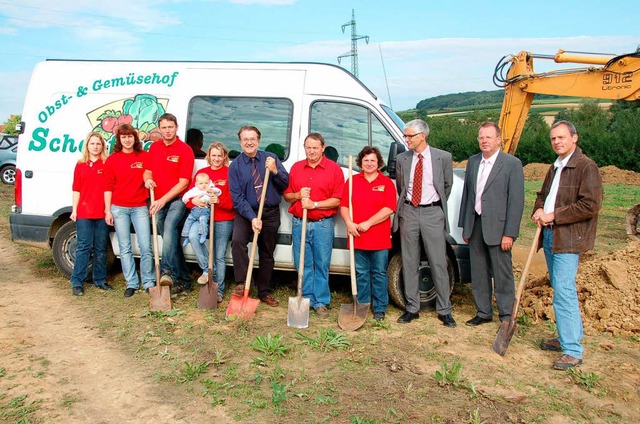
point(535, 171)
point(608, 291)
point(613, 175)
point(610, 174)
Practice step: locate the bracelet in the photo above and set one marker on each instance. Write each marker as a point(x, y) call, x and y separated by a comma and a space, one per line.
point(107, 212)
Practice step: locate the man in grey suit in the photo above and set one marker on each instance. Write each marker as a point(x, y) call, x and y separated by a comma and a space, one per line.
point(490, 214)
point(424, 177)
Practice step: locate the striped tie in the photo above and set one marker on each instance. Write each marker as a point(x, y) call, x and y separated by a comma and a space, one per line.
point(257, 179)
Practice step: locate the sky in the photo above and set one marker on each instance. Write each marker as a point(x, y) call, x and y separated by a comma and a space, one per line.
point(417, 49)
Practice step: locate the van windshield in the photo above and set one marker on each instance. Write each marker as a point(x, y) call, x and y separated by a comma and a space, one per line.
point(394, 117)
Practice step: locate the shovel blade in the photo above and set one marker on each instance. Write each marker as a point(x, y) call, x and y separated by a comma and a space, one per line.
point(504, 336)
point(352, 315)
point(208, 296)
point(298, 313)
point(244, 307)
point(160, 298)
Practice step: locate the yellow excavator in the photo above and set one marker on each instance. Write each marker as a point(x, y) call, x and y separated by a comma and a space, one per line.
point(607, 76)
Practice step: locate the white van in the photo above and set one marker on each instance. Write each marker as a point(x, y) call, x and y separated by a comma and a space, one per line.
point(286, 101)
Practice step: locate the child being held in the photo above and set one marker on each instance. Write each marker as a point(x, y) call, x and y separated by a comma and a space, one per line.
point(199, 214)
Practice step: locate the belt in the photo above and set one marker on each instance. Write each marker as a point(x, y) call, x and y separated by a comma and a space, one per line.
point(428, 205)
point(313, 220)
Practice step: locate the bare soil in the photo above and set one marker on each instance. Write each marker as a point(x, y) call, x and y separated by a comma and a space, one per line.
point(52, 353)
point(101, 358)
point(610, 174)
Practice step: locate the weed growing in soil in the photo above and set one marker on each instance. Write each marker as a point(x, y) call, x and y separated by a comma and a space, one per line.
point(271, 345)
point(588, 381)
point(193, 371)
point(327, 340)
point(449, 374)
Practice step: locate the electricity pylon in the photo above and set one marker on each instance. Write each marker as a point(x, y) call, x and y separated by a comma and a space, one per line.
point(354, 44)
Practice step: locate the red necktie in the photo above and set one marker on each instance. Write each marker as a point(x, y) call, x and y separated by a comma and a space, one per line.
point(257, 179)
point(416, 196)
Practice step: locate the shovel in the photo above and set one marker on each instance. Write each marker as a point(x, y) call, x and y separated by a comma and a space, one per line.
point(352, 316)
point(208, 295)
point(244, 306)
point(507, 328)
point(298, 314)
point(159, 296)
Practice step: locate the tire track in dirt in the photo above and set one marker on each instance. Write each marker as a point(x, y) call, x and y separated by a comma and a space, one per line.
point(50, 353)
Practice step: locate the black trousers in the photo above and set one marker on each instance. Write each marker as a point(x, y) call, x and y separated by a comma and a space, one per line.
point(242, 235)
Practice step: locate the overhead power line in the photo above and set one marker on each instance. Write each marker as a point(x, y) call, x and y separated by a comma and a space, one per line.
point(353, 54)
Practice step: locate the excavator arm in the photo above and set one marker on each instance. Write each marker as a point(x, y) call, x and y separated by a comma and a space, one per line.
point(608, 77)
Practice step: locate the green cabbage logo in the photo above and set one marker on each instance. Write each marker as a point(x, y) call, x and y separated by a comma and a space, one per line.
point(142, 112)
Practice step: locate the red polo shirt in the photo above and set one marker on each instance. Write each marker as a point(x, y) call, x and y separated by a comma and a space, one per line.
point(326, 180)
point(88, 180)
point(168, 164)
point(123, 177)
point(368, 199)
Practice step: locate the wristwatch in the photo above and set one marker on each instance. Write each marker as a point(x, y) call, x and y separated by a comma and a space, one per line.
point(315, 205)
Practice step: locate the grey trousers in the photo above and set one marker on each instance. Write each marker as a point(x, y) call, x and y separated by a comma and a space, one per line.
point(488, 261)
point(428, 223)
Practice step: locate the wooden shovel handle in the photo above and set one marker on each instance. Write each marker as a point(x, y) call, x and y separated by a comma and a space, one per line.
point(525, 271)
point(247, 281)
point(354, 286)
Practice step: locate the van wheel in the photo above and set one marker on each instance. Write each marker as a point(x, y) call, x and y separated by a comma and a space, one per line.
point(8, 174)
point(426, 287)
point(64, 250)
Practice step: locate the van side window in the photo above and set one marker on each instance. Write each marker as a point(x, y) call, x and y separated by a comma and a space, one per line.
point(220, 118)
point(347, 128)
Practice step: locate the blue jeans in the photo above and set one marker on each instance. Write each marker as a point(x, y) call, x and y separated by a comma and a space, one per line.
point(91, 234)
point(371, 278)
point(221, 235)
point(317, 257)
point(563, 268)
point(169, 221)
point(123, 217)
point(198, 216)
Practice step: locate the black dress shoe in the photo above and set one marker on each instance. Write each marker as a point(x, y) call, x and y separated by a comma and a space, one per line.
point(447, 320)
point(105, 286)
point(475, 321)
point(408, 317)
point(129, 292)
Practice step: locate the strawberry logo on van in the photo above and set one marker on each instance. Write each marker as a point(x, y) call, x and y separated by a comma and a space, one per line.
point(141, 112)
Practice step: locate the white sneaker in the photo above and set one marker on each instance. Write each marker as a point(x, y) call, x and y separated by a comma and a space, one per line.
point(203, 279)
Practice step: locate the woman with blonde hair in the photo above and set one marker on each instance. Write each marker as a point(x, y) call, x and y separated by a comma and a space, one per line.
point(92, 232)
point(218, 172)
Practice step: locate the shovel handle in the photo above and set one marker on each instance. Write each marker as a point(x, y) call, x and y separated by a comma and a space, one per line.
point(303, 242)
point(154, 226)
point(525, 271)
point(211, 224)
point(247, 282)
point(354, 286)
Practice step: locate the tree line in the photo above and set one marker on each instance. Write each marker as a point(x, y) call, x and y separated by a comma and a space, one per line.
point(609, 137)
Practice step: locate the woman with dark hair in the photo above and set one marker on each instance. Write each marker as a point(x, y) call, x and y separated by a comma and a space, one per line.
point(373, 200)
point(125, 200)
point(218, 172)
point(88, 213)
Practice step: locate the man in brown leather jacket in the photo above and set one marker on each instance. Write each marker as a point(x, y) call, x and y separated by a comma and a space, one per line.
point(567, 207)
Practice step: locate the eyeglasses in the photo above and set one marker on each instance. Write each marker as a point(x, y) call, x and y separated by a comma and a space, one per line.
point(411, 135)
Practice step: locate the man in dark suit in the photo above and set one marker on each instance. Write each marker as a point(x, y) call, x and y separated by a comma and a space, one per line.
point(490, 214)
point(424, 177)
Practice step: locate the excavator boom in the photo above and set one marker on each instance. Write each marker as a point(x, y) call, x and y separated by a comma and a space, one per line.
point(609, 77)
